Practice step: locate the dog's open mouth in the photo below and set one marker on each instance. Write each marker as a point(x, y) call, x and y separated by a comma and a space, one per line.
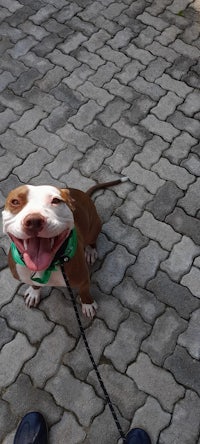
point(38, 252)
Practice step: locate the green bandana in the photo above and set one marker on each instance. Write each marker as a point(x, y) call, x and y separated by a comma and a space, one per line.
point(68, 253)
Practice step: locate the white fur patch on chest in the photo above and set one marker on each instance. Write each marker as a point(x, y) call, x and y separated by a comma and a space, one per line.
point(55, 280)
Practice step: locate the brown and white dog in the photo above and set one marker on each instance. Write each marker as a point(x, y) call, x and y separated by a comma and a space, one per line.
point(38, 220)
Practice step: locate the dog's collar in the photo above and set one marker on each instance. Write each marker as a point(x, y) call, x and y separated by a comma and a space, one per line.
point(64, 254)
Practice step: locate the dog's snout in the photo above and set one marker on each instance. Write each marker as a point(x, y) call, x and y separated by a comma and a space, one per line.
point(33, 223)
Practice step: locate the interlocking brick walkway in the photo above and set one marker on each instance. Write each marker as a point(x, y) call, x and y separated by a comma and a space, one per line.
point(91, 91)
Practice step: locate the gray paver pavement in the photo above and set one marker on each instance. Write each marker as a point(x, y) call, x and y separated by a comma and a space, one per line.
point(91, 91)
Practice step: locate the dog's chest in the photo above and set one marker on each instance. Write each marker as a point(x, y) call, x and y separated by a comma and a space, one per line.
point(55, 280)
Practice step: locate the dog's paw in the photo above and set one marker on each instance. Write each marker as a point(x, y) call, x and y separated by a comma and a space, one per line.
point(89, 310)
point(32, 297)
point(90, 255)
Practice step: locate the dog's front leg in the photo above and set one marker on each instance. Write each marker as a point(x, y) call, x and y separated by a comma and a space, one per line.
point(89, 306)
point(78, 275)
point(32, 296)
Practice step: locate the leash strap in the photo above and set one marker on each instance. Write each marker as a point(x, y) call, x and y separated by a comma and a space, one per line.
point(108, 400)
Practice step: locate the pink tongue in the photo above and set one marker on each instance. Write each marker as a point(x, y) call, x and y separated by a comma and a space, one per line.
point(38, 255)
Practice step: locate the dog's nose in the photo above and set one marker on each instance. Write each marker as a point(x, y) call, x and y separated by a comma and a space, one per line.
point(33, 223)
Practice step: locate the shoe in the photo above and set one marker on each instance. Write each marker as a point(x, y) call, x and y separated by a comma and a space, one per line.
point(137, 436)
point(32, 430)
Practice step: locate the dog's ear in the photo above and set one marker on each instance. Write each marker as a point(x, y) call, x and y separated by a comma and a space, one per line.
point(65, 193)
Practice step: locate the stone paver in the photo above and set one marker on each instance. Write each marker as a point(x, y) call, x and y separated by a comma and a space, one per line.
point(155, 382)
point(45, 363)
point(75, 396)
point(163, 129)
point(157, 230)
point(136, 133)
point(180, 147)
point(6, 333)
point(92, 92)
point(31, 167)
point(139, 300)
point(174, 294)
point(179, 363)
point(147, 263)
point(113, 111)
point(180, 258)
point(23, 397)
point(183, 415)
point(139, 109)
point(8, 285)
point(133, 399)
point(120, 259)
point(41, 137)
point(7, 116)
point(192, 280)
point(7, 419)
point(75, 137)
point(173, 173)
point(155, 92)
point(35, 325)
point(189, 201)
point(184, 123)
point(85, 115)
point(131, 238)
point(151, 152)
point(180, 88)
point(185, 224)
point(127, 342)
point(59, 310)
point(192, 163)
point(104, 427)
point(67, 426)
point(21, 146)
point(78, 359)
point(58, 166)
point(28, 121)
point(141, 176)
point(151, 417)
point(13, 356)
point(166, 105)
point(163, 337)
point(165, 200)
point(134, 204)
point(190, 338)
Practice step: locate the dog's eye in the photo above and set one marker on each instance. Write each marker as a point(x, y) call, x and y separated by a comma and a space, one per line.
point(15, 202)
point(56, 201)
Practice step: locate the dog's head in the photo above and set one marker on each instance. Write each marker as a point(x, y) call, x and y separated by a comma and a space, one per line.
point(38, 219)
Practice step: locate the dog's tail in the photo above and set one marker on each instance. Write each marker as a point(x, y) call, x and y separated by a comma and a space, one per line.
point(100, 186)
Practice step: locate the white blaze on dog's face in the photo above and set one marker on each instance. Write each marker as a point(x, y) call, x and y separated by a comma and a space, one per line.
point(38, 219)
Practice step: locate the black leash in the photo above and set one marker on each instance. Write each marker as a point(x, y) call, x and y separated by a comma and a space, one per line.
point(108, 400)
